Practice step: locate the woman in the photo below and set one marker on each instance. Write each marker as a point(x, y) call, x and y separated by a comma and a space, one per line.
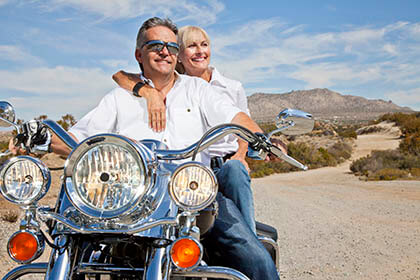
point(194, 60)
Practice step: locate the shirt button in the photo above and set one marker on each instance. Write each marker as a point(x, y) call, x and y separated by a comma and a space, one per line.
point(164, 140)
point(188, 110)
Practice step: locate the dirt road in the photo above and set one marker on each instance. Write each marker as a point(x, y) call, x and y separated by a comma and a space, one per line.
point(331, 225)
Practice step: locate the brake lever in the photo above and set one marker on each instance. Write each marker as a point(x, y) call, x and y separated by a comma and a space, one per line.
point(263, 146)
point(279, 153)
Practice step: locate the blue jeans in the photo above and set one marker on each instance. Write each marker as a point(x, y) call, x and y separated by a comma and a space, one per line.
point(235, 184)
point(234, 245)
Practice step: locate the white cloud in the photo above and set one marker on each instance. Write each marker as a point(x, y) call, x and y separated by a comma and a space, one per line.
point(55, 91)
point(202, 12)
point(410, 98)
point(354, 57)
point(115, 63)
point(17, 54)
point(60, 80)
point(391, 49)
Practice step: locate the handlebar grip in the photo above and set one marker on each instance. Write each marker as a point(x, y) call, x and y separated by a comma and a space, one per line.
point(276, 151)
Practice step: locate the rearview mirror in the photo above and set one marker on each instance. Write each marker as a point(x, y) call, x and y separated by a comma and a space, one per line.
point(293, 122)
point(296, 121)
point(7, 114)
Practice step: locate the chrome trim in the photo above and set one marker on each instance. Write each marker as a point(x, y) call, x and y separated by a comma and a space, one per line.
point(17, 272)
point(275, 246)
point(200, 271)
point(199, 259)
point(44, 171)
point(157, 265)
point(59, 265)
point(240, 131)
point(140, 153)
point(7, 114)
point(213, 272)
point(45, 215)
point(293, 122)
point(40, 246)
point(61, 133)
point(91, 268)
point(208, 201)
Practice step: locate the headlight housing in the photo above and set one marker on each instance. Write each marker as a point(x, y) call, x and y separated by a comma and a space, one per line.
point(24, 180)
point(193, 186)
point(108, 176)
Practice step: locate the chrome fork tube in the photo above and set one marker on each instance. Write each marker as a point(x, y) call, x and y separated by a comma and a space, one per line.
point(60, 264)
point(157, 265)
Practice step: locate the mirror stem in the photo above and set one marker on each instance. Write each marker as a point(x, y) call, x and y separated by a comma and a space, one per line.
point(290, 124)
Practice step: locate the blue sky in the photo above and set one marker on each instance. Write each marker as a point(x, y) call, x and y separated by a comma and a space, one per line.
point(57, 56)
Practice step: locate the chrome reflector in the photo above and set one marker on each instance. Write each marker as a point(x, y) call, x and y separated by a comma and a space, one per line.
point(193, 186)
point(108, 176)
point(24, 180)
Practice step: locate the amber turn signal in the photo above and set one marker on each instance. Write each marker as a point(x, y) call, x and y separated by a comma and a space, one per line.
point(23, 246)
point(186, 253)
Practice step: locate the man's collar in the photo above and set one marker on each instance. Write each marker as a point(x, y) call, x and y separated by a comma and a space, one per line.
point(150, 82)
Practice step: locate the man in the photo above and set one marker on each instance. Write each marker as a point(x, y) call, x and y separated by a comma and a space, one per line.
point(191, 106)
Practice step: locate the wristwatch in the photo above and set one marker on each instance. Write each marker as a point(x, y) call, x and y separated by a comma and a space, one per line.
point(137, 87)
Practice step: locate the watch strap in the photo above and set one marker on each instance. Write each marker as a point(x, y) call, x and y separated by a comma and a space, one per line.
point(137, 87)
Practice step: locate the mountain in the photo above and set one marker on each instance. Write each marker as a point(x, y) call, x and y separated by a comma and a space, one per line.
point(322, 104)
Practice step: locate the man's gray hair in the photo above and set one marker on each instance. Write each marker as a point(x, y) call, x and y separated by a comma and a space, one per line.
point(153, 22)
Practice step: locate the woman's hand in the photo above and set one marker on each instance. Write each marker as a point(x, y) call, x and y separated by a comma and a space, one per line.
point(156, 107)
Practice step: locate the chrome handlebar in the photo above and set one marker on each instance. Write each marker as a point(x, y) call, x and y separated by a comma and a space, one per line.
point(257, 143)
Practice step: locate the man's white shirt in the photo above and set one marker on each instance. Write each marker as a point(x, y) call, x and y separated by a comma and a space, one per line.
point(192, 106)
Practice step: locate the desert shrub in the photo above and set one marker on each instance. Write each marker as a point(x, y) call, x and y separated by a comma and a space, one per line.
point(260, 168)
point(347, 133)
point(388, 174)
point(67, 121)
point(415, 172)
point(368, 130)
point(406, 158)
point(411, 144)
point(390, 159)
point(4, 146)
point(267, 127)
point(340, 151)
point(10, 216)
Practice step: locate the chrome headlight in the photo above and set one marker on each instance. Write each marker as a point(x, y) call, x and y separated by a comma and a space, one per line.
point(193, 186)
point(108, 176)
point(24, 180)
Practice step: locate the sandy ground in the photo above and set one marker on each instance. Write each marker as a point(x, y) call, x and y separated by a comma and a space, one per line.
point(331, 225)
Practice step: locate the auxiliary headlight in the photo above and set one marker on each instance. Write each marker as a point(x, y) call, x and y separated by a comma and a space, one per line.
point(24, 180)
point(108, 176)
point(193, 186)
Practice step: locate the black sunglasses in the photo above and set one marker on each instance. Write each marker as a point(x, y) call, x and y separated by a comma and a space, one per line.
point(158, 45)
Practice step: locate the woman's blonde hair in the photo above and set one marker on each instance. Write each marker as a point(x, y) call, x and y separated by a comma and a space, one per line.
point(187, 35)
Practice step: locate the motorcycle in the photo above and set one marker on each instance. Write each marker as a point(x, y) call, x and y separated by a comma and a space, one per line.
point(126, 209)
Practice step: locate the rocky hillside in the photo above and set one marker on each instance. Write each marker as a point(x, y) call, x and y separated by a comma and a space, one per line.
point(322, 103)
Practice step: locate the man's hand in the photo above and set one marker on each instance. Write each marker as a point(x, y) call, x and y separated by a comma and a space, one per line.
point(156, 107)
point(279, 144)
point(241, 158)
point(241, 153)
point(15, 150)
